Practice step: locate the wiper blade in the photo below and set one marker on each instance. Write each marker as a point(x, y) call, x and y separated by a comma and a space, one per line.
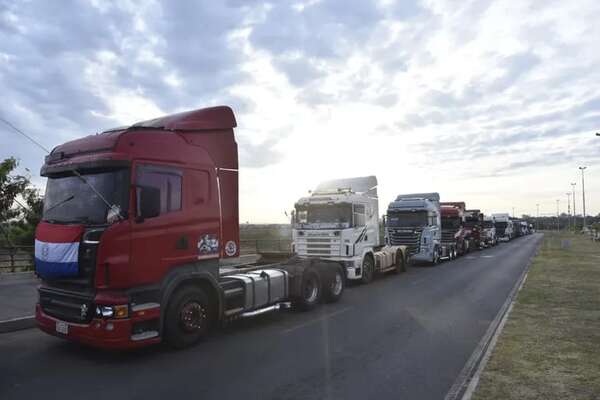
point(71, 197)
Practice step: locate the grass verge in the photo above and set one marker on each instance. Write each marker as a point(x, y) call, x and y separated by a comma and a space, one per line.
point(550, 345)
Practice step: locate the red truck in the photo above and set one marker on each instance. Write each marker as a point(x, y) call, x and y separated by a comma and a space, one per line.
point(474, 227)
point(453, 230)
point(136, 225)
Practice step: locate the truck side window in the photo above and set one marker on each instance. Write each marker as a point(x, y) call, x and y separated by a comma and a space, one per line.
point(432, 219)
point(359, 215)
point(167, 180)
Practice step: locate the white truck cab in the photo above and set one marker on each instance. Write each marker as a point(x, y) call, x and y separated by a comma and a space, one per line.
point(504, 227)
point(339, 221)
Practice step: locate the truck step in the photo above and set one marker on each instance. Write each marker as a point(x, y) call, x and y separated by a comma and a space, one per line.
point(391, 268)
point(144, 335)
point(233, 311)
point(233, 292)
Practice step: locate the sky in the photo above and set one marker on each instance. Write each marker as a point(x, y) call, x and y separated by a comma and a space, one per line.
point(494, 103)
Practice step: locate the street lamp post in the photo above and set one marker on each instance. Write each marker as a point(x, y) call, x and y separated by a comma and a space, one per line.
point(537, 219)
point(557, 215)
point(569, 209)
point(583, 193)
point(574, 208)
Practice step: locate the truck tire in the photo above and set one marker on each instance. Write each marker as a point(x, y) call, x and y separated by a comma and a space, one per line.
point(310, 291)
point(188, 317)
point(452, 253)
point(334, 285)
point(368, 269)
point(400, 262)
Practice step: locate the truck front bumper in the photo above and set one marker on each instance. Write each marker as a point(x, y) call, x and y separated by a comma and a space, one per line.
point(353, 268)
point(421, 258)
point(101, 333)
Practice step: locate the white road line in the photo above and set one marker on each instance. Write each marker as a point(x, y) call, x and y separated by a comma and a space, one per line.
point(321, 318)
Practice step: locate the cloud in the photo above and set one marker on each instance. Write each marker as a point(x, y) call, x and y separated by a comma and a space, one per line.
point(434, 86)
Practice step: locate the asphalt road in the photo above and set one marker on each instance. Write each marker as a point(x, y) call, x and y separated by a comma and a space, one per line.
point(403, 336)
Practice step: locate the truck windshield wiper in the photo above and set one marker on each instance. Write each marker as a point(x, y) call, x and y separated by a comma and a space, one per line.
point(63, 201)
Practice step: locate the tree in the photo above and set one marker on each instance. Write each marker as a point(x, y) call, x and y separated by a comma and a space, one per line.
point(20, 205)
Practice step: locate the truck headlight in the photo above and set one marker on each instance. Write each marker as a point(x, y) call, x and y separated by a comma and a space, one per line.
point(118, 311)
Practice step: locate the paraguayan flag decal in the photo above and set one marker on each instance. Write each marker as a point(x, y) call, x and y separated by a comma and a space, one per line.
point(57, 250)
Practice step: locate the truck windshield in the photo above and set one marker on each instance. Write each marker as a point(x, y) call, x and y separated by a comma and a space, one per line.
point(407, 219)
point(324, 216)
point(450, 223)
point(70, 200)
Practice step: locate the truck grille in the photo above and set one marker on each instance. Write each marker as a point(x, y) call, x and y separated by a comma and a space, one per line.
point(324, 246)
point(403, 237)
point(448, 235)
point(66, 306)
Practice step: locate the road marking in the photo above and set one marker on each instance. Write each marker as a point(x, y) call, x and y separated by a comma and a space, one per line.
point(321, 318)
point(487, 256)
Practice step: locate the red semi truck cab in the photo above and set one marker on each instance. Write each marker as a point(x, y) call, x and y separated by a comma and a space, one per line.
point(453, 221)
point(129, 214)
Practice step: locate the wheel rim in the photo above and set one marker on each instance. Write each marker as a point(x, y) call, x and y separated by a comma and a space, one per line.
point(192, 316)
point(310, 291)
point(336, 285)
point(367, 270)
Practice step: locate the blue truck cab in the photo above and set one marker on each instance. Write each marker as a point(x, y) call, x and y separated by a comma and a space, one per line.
point(414, 220)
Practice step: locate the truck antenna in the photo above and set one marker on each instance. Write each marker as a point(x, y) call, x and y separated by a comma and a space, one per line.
point(111, 207)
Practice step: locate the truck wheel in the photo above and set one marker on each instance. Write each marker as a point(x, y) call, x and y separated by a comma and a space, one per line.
point(188, 317)
point(452, 253)
point(310, 291)
point(334, 286)
point(367, 270)
point(400, 263)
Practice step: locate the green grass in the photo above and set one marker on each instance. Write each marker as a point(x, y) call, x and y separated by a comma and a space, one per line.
point(550, 345)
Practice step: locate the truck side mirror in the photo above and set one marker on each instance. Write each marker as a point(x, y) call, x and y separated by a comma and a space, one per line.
point(148, 202)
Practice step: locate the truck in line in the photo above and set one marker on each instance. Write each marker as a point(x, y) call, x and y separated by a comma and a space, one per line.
point(339, 221)
point(488, 233)
point(504, 227)
point(135, 224)
point(474, 227)
point(414, 221)
point(453, 230)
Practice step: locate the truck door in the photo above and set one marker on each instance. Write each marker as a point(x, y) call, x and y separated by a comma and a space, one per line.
point(186, 217)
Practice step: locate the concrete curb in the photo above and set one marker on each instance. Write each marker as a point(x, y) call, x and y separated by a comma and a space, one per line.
point(17, 324)
point(16, 276)
point(466, 382)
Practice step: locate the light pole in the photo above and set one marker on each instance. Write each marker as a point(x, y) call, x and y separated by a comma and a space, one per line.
point(557, 215)
point(569, 209)
point(513, 212)
point(583, 193)
point(574, 208)
point(537, 219)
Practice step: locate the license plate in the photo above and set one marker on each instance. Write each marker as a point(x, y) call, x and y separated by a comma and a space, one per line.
point(62, 327)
